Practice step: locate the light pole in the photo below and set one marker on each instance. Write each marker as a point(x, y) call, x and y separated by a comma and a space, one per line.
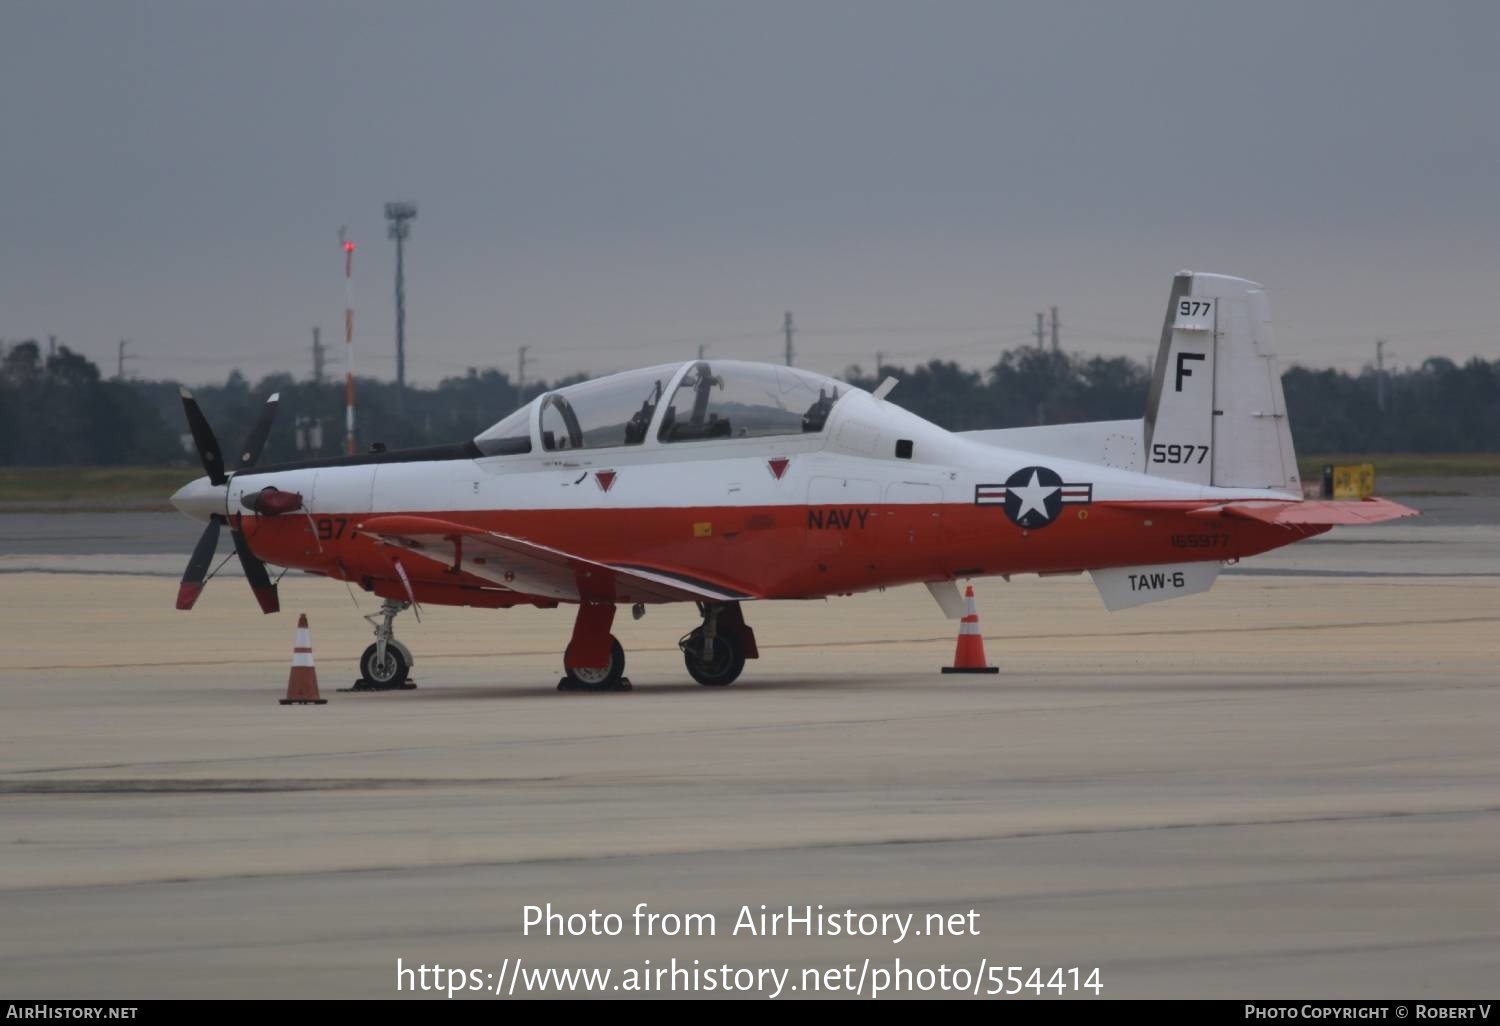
point(400, 215)
point(347, 245)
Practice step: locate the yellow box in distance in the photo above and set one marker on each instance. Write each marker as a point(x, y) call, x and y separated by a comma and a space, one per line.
point(1355, 481)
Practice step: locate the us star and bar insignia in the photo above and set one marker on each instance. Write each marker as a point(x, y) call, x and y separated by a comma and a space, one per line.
point(1033, 497)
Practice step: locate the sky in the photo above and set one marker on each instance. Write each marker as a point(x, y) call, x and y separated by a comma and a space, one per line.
point(613, 184)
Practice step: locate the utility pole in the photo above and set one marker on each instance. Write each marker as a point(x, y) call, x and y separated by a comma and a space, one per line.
point(400, 216)
point(701, 350)
point(1054, 329)
point(521, 374)
point(1040, 331)
point(786, 326)
point(120, 358)
point(51, 346)
point(317, 351)
point(879, 363)
point(1380, 374)
point(347, 245)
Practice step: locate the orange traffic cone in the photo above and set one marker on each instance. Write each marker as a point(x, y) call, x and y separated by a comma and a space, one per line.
point(969, 656)
point(302, 683)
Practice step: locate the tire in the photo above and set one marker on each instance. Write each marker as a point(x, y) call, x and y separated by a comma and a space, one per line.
point(599, 677)
point(723, 668)
point(390, 674)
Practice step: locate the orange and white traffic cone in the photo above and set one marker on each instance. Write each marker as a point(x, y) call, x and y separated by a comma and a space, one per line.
point(302, 684)
point(968, 657)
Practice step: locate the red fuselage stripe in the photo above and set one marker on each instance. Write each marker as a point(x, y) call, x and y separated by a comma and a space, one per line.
point(794, 551)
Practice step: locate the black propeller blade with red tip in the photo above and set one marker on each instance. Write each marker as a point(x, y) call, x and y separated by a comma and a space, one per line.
point(203, 438)
point(255, 571)
point(255, 441)
point(197, 568)
point(194, 577)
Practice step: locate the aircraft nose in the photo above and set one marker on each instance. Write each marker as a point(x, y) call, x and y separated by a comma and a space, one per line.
point(200, 499)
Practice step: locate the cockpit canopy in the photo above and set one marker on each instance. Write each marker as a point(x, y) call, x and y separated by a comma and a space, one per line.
point(706, 399)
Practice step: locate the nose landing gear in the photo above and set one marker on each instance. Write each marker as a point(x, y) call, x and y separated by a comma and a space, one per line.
point(384, 666)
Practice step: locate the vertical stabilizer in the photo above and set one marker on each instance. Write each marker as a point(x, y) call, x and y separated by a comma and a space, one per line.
point(1216, 414)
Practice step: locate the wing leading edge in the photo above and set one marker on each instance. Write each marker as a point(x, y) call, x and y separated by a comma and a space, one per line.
point(534, 569)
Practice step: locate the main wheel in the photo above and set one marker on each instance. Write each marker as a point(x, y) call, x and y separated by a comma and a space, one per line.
point(598, 676)
point(723, 666)
point(388, 674)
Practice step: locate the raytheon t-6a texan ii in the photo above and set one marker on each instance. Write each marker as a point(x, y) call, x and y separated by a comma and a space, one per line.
point(718, 482)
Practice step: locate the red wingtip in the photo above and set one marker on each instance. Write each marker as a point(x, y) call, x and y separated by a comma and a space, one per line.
point(187, 594)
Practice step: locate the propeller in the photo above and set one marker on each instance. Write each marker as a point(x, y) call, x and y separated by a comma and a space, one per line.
point(255, 441)
point(197, 568)
point(196, 574)
point(204, 440)
point(255, 570)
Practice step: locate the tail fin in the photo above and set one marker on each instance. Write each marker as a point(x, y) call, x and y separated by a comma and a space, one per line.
point(1216, 414)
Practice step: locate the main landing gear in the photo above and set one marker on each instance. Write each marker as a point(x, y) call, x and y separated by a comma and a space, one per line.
point(715, 653)
point(609, 677)
point(385, 664)
point(594, 660)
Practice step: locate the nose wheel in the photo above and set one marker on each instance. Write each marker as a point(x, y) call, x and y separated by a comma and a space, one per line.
point(385, 665)
point(384, 674)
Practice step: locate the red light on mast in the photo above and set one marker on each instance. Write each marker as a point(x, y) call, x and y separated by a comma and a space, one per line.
point(348, 247)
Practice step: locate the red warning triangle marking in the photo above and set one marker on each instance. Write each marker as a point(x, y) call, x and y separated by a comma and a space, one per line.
point(606, 479)
point(778, 466)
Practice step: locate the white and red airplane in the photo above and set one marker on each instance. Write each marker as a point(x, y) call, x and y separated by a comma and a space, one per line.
point(718, 482)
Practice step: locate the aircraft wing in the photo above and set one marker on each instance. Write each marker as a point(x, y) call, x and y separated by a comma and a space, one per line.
point(1310, 512)
point(534, 569)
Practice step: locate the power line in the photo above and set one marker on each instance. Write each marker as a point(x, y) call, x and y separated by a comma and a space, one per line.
point(1114, 336)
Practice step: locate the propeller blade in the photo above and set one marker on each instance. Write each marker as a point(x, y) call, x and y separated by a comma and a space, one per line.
point(203, 438)
point(255, 573)
point(197, 568)
point(255, 441)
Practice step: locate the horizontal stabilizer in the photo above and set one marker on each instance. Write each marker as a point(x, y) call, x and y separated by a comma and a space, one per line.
point(1310, 512)
point(1124, 586)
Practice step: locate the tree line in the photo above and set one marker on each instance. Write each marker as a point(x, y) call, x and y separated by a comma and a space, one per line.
point(58, 409)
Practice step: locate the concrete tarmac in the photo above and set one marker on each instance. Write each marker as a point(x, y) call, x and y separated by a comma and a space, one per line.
point(1287, 787)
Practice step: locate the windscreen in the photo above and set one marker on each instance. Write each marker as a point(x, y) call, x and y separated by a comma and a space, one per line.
point(611, 411)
